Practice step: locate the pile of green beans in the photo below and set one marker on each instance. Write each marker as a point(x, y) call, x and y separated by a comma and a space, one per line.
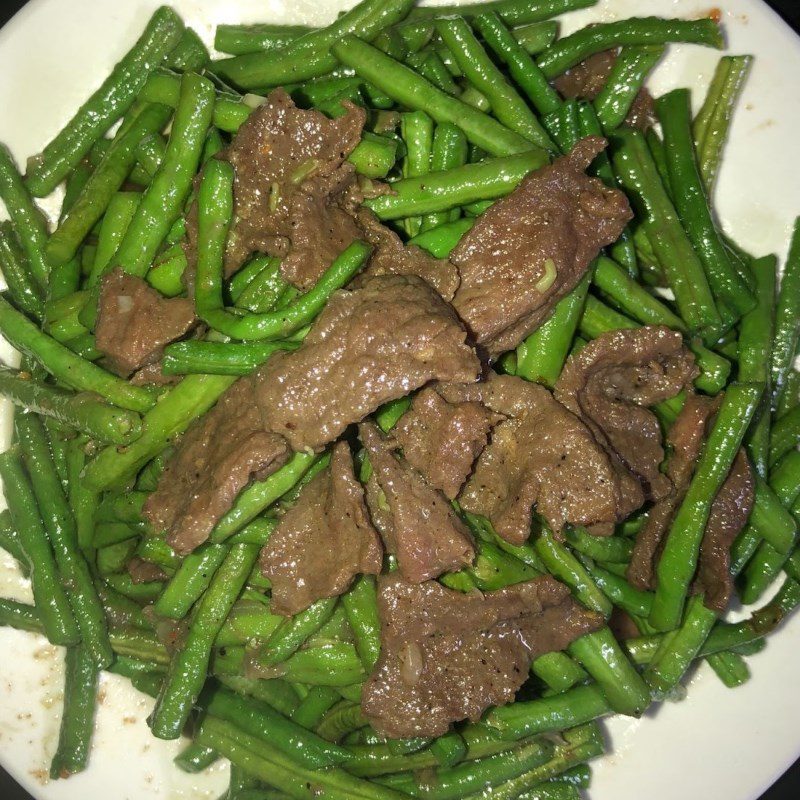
point(460, 106)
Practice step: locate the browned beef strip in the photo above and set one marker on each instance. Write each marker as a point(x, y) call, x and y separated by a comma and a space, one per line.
point(587, 79)
point(368, 346)
point(216, 458)
point(442, 440)
point(610, 383)
point(323, 541)
point(532, 247)
point(447, 656)
point(290, 172)
point(685, 439)
point(142, 571)
point(541, 455)
point(392, 257)
point(622, 625)
point(416, 520)
point(729, 511)
point(729, 514)
point(134, 322)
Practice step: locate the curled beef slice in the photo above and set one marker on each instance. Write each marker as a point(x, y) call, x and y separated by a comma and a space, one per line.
point(442, 440)
point(376, 343)
point(542, 455)
point(610, 383)
point(416, 520)
point(531, 248)
point(216, 458)
point(134, 322)
point(323, 541)
point(289, 176)
point(392, 257)
point(447, 656)
point(587, 79)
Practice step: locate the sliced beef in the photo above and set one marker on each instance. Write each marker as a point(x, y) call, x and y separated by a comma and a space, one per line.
point(373, 344)
point(290, 173)
point(541, 455)
point(134, 322)
point(416, 520)
point(587, 79)
point(531, 248)
point(392, 257)
point(610, 383)
point(216, 458)
point(142, 571)
point(442, 440)
point(447, 656)
point(323, 541)
point(729, 511)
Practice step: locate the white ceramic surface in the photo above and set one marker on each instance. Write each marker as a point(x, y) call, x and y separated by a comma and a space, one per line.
point(717, 743)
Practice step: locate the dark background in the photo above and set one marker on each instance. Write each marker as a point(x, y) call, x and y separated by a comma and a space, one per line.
point(788, 788)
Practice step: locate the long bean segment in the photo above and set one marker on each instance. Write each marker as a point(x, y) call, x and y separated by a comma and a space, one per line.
point(787, 320)
point(219, 358)
point(106, 105)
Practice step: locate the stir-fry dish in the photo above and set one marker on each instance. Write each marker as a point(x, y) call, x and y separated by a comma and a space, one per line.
point(392, 405)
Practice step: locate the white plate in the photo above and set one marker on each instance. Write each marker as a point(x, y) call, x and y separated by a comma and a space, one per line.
point(716, 744)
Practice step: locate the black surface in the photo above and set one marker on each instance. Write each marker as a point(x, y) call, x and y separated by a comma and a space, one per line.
point(787, 788)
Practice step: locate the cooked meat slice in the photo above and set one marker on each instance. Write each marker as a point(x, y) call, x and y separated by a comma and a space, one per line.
point(392, 257)
point(442, 440)
point(541, 455)
point(587, 79)
point(531, 248)
point(622, 625)
point(216, 458)
point(134, 322)
point(142, 571)
point(322, 542)
point(416, 520)
point(729, 514)
point(685, 439)
point(368, 346)
point(281, 152)
point(729, 511)
point(610, 383)
point(447, 656)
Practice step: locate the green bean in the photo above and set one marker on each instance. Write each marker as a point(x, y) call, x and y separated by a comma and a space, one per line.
point(108, 533)
point(77, 718)
point(272, 767)
point(219, 358)
point(677, 564)
point(171, 415)
point(333, 664)
point(507, 105)
point(166, 276)
point(441, 191)
point(150, 154)
point(244, 278)
point(162, 201)
point(293, 632)
point(156, 550)
point(311, 55)
point(119, 213)
point(409, 89)
point(261, 494)
point(343, 718)
point(713, 121)
point(619, 591)
point(416, 130)
point(769, 516)
point(23, 289)
point(469, 777)
point(430, 65)
point(20, 616)
point(791, 394)
point(570, 50)
point(98, 420)
point(441, 241)
point(600, 548)
point(598, 318)
point(512, 12)
point(692, 204)
point(542, 355)
point(189, 55)
point(730, 668)
point(558, 671)
point(28, 221)
point(784, 436)
point(449, 749)
point(262, 721)
point(361, 606)
point(626, 79)
point(239, 40)
point(449, 152)
point(195, 758)
point(106, 105)
point(190, 581)
point(276, 693)
point(311, 710)
point(189, 665)
point(48, 593)
point(638, 176)
point(10, 542)
point(113, 558)
point(507, 46)
point(103, 185)
point(787, 320)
